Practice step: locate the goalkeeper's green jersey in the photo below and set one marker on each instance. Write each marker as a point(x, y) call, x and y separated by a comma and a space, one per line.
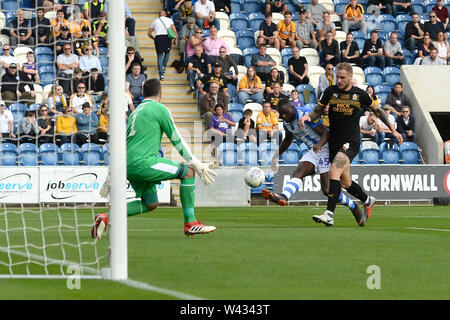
point(146, 125)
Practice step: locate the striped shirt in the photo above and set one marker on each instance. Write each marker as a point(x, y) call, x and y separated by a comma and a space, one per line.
point(308, 135)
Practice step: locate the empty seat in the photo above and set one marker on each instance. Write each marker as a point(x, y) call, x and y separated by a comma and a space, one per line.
point(28, 154)
point(8, 154)
point(302, 94)
point(48, 154)
point(374, 76)
point(291, 155)
point(248, 154)
point(390, 153)
point(409, 152)
point(91, 154)
point(266, 151)
point(391, 75)
point(227, 153)
point(238, 22)
point(69, 154)
point(386, 22)
point(370, 152)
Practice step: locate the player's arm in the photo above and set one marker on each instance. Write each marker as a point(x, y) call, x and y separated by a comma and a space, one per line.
point(313, 115)
point(383, 117)
point(325, 135)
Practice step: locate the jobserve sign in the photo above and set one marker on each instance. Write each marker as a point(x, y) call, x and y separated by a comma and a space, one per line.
point(19, 186)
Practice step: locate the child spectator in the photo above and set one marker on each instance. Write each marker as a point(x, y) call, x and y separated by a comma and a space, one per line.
point(246, 127)
point(30, 68)
point(295, 100)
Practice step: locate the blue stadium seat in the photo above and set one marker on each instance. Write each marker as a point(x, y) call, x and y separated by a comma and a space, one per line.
point(359, 38)
point(248, 53)
point(418, 7)
point(339, 6)
point(44, 55)
point(248, 154)
point(231, 91)
point(236, 115)
point(390, 153)
point(382, 92)
point(103, 51)
point(91, 154)
point(10, 5)
point(255, 19)
point(291, 155)
point(245, 39)
point(266, 151)
point(370, 152)
point(105, 153)
point(356, 158)
point(429, 5)
point(391, 75)
point(8, 154)
point(69, 154)
point(374, 76)
point(18, 110)
point(238, 22)
point(235, 6)
point(47, 73)
point(409, 152)
point(401, 21)
point(28, 154)
point(386, 22)
point(227, 153)
point(48, 154)
point(251, 6)
point(312, 93)
point(27, 4)
point(10, 16)
point(409, 57)
point(286, 54)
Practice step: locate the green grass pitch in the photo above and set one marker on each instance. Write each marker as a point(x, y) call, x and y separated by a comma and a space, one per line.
point(255, 253)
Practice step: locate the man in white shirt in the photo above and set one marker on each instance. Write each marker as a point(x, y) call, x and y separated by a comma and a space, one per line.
point(205, 13)
point(66, 62)
point(433, 58)
point(368, 127)
point(6, 59)
point(89, 61)
point(78, 99)
point(6, 122)
point(383, 130)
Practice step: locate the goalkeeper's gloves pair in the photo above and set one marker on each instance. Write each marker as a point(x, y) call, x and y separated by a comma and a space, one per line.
point(203, 170)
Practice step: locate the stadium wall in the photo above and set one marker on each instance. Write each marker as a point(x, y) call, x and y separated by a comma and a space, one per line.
point(428, 90)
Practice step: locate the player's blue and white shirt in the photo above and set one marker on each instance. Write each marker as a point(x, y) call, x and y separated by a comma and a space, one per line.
point(307, 135)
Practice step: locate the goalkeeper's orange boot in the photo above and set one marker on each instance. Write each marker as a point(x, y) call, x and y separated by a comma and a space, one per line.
point(101, 222)
point(274, 197)
point(368, 207)
point(197, 227)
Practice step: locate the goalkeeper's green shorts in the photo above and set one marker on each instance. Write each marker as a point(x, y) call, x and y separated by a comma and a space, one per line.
point(144, 179)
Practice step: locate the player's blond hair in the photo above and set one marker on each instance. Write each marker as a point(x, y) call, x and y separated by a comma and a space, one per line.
point(345, 66)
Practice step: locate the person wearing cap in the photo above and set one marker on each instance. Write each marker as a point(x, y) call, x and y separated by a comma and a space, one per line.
point(217, 77)
point(77, 25)
point(17, 86)
point(58, 23)
point(41, 27)
point(87, 125)
point(64, 37)
point(383, 131)
point(20, 31)
point(305, 37)
point(187, 31)
point(6, 122)
point(278, 6)
point(86, 40)
point(6, 59)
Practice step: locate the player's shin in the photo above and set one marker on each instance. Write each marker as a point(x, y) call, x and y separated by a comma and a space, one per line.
point(356, 191)
point(333, 195)
point(187, 197)
point(291, 187)
point(346, 201)
point(135, 207)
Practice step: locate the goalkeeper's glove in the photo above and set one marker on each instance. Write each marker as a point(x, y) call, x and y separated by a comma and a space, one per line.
point(203, 170)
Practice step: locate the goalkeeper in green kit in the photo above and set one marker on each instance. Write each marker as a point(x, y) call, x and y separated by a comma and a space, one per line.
point(145, 170)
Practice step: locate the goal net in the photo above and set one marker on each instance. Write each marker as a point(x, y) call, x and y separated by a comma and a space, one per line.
point(56, 145)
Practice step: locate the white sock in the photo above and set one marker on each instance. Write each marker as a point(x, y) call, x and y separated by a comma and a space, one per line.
point(291, 187)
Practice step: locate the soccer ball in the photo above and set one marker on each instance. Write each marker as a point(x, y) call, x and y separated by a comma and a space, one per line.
point(254, 177)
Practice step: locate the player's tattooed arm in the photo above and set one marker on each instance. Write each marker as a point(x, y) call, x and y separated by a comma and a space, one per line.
point(382, 116)
point(316, 112)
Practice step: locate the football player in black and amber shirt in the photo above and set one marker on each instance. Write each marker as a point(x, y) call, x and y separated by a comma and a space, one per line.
point(346, 105)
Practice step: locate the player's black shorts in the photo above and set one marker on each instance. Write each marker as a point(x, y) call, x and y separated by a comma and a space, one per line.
point(350, 149)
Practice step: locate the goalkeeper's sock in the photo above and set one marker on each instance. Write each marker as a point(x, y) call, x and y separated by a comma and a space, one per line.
point(187, 197)
point(135, 207)
point(356, 191)
point(333, 194)
point(291, 187)
point(343, 199)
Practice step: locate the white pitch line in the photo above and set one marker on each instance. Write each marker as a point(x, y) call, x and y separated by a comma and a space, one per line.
point(427, 229)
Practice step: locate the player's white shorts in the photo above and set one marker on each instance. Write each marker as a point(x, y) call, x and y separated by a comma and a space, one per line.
point(321, 160)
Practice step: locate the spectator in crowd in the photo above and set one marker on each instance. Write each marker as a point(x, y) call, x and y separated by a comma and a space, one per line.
point(250, 87)
point(71, 9)
point(216, 76)
point(197, 66)
point(296, 102)
point(48, 5)
point(327, 79)
point(350, 51)
point(324, 26)
point(268, 32)
point(373, 51)
point(246, 127)
point(100, 29)
point(433, 26)
point(227, 64)
point(414, 32)
point(442, 13)
point(185, 11)
point(287, 31)
point(305, 35)
point(330, 50)
point(77, 25)
point(393, 51)
point(6, 123)
point(406, 125)
point(433, 59)
point(86, 40)
point(89, 61)
point(187, 31)
point(315, 11)
point(96, 84)
point(77, 78)
point(384, 133)
point(6, 59)
point(424, 48)
point(205, 13)
point(278, 6)
point(163, 42)
point(63, 38)
point(263, 62)
point(93, 9)
point(27, 129)
point(376, 7)
point(401, 5)
point(267, 124)
point(223, 6)
point(58, 23)
point(397, 99)
point(30, 69)
point(130, 23)
point(45, 125)
point(134, 82)
point(271, 80)
point(353, 17)
point(17, 86)
point(41, 28)
point(66, 127)
point(87, 125)
point(220, 126)
point(66, 62)
point(275, 97)
point(56, 100)
point(442, 46)
point(213, 43)
point(195, 40)
point(103, 121)
point(79, 98)
point(298, 68)
point(368, 127)
point(208, 102)
point(20, 31)
point(131, 58)
point(371, 91)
